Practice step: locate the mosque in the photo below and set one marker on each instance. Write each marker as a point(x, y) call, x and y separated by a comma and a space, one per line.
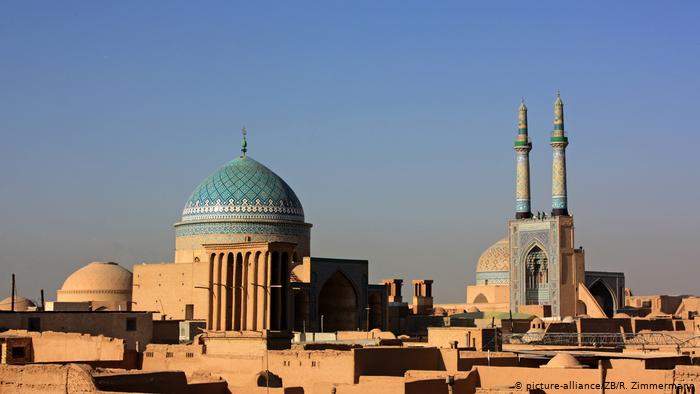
point(243, 263)
point(536, 268)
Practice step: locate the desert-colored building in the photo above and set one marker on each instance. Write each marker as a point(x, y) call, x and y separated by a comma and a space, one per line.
point(135, 328)
point(492, 288)
point(25, 347)
point(98, 285)
point(243, 263)
point(244, 307)
point(20, 304)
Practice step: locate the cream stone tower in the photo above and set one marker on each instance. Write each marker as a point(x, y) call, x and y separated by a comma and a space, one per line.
point(559, 141)
point(522, 150)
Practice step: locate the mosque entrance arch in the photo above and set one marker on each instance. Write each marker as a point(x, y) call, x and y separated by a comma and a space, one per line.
point(536, 276)
point(337, 304)
point(604, 297)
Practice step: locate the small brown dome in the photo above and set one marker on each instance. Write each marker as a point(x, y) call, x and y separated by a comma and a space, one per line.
point(473, 309)
point(97, 282)
point(563, 360)
point(439, 311)
point(495, 258)
point(98, 276)
point(21, 304)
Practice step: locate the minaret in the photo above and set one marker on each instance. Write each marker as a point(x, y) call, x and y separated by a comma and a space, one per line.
point(522, 167)
point(559, 141)
point(244, 143)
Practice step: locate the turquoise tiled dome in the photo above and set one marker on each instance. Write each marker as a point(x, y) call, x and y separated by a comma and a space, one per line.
point(243, 190)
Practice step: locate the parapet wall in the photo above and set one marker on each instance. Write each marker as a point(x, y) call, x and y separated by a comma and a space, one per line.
point(135, 328)
point(387, 361)
point(46, 379)
point(61, 347)
point(604, 325)
point(652, 325)
point(296, 367)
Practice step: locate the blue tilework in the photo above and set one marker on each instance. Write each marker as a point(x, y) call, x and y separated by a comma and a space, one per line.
point(243, 189)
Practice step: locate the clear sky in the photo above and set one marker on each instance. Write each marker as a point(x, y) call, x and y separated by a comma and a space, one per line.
point(393, 122)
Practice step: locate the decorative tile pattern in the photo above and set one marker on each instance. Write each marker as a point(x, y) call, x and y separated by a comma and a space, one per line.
point(186, 229)
point(558, 176)
point(493, 278)
point(495, 258)
point(522, 241)
point(243, 189)
point(522, 178)
point(522, 182)
point(559, 141)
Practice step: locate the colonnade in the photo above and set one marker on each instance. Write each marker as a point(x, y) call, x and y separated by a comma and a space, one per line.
point(248, 290)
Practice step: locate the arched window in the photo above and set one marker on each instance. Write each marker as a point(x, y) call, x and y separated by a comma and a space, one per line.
point(480, 299)
point(536, 276)
point(537, 268)
point(337, 304)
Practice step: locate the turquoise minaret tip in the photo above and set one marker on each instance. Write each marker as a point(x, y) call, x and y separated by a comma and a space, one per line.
point(558, 100)
point(244, 142)
point(558, 118)
point(522, 138)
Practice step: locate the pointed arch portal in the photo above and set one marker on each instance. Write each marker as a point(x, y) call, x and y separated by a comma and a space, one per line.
point(338, 304)
point(604, 297)
point(536, 277)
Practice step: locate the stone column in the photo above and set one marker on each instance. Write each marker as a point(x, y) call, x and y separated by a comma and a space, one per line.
point(237, 291)
point(219, 294)
point(212, 292)
point(225, 289)
point(261, 263)
point(255, 291)
point(267, 289)
point(249, 292)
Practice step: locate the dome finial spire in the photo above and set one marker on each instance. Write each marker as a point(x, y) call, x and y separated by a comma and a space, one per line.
point(244, 142)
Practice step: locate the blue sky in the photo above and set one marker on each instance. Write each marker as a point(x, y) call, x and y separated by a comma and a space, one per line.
point(392, 121)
